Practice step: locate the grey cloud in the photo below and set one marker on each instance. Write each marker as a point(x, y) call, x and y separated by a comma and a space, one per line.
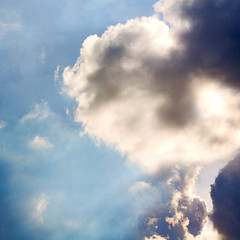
point(123, 64)
point(182, 213)
point(226, 197)
point(211, 48)
point(213, 41)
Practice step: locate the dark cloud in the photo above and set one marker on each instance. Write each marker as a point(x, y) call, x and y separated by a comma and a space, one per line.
point(213, 41)
point(226, 197)
point(166, 224)
point(180, 213)
point(211, 49)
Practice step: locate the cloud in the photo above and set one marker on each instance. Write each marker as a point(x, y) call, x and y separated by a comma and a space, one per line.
point(40, 112)
point(2, 124)
point(56, 73)
point(40, 143)
point(136, 92)
point(181, 214)
point(7, 27)
point(40, 206)
point(225, 197)
point(165, 93)
point(212, 42)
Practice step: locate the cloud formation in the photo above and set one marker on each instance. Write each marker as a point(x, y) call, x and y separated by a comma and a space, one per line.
point(165, 92)
point(138, 90)
point(225, 197)
point(40, 112)
point(181, 214)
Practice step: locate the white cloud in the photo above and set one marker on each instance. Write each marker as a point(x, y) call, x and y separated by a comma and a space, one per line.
point(2, 124)
point(40, 205)
point(125, 99)
point(134, 94)
point(40, 112)
point(40, 143)
point(7, 27)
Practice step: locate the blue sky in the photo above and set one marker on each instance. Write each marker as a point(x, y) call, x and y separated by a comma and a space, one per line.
point(116, 133)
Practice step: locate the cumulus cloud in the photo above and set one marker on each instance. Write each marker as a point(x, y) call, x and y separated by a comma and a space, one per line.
point(165, 92)
point(180, 214)
point(135, 91)
point(173, 12)
point(225, 197)
point(40, 143)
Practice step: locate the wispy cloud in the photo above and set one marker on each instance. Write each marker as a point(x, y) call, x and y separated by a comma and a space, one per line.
point(40, 112)
point(39, 207)
point(40, 143)
point(134, 94)
point(7, 27)
point(2, 124)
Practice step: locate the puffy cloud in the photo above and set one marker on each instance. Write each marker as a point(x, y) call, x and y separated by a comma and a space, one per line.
point(135, 93)
point(181, 215)
point(212, 42)
point(165, 93)
point(40, 143)
point(173, 12)
point(225, 197)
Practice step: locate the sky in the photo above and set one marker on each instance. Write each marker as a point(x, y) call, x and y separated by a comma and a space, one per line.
point(119, 120)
